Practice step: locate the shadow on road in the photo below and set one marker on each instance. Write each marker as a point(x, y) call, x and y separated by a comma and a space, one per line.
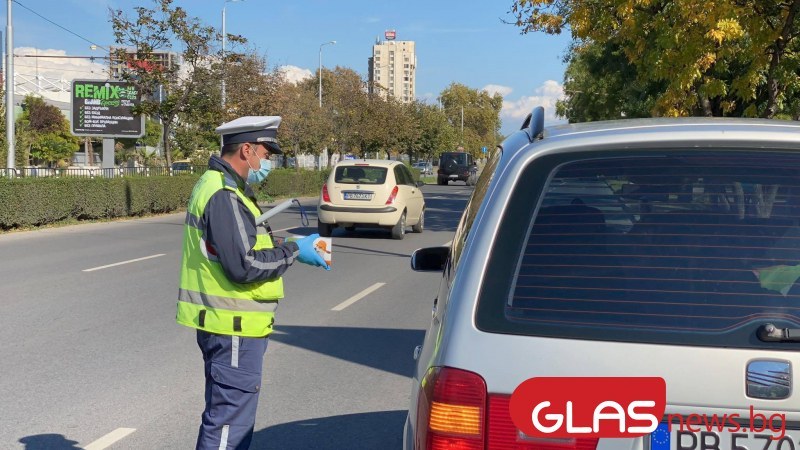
point(374, 430)
point(390, 350)
point(49, 441)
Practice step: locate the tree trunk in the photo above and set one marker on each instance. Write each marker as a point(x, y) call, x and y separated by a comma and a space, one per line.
point(706, 105)
point(165, 142)
point(773, 87)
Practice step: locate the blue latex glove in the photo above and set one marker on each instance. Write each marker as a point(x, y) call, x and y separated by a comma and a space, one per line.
point(308, 254)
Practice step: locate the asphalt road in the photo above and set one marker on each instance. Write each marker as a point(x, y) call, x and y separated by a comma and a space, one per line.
point(92, 357)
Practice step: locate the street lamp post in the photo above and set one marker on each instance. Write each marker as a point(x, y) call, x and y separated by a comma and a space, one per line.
point(224, 38)
point(320, 70)
point(9, 91)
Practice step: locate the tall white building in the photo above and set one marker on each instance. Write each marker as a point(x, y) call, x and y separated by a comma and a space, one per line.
point(393, 69)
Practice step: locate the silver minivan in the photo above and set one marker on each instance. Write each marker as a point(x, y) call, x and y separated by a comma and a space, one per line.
point(664, 248)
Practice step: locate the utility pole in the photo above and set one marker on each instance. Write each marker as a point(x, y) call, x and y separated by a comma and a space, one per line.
point(9, 90)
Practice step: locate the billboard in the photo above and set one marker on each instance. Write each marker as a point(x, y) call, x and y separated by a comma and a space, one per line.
point(390, 35)
point(105, 109)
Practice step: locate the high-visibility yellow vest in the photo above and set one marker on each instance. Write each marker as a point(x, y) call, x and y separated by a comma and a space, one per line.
point(207, 299)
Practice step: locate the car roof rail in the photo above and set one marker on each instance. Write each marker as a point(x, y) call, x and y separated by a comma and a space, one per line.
point(534, 124)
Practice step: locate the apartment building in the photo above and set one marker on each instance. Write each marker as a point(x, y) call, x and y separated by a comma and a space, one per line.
point(124, 59)
point(393, 68)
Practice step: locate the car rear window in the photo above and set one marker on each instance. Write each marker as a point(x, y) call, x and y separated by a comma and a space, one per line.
point(687, 248)
point(360, 175)
point(453, 158)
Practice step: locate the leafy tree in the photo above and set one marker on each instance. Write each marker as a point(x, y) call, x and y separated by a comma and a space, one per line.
point(714, 57)
point(601, 84)
point(345, 100)
point(167, 89)
point(436, 134)
point(43, 133)
point(304, 128)
point(252, 88)
point(136, 148)
point(481, 115)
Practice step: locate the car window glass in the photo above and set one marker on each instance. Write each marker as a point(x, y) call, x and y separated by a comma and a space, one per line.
point(681, 248)
point(407, 174)
point(474, 203)
point(399, 176)
point(360, 175)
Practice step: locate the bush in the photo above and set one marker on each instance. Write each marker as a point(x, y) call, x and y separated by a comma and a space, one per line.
point(40, 201)
point(292, 183)
point(28, 202)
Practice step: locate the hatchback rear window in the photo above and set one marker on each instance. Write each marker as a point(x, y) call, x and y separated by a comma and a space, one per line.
point(360, 175)
point(459, 159)
point(671, 248)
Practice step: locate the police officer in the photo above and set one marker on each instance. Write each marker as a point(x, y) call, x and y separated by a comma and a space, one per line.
point(230, 280)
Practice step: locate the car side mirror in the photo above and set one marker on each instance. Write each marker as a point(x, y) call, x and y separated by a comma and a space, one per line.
point(430, 259)
point(420, 183)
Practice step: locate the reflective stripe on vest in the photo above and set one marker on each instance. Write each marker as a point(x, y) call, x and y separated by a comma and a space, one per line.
point(207, 299)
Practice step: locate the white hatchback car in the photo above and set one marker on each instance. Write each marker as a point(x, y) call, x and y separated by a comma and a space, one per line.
point(371, 193)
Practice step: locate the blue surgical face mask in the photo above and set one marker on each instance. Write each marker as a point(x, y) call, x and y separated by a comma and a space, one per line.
point(257, 176)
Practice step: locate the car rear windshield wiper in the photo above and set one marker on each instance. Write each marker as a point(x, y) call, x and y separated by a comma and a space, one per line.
point(770, 333)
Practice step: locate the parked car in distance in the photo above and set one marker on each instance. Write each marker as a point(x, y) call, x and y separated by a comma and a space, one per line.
point(425, 167)
point(371, 193)
point(182, 166)
point(456, 166)
point(666, 248)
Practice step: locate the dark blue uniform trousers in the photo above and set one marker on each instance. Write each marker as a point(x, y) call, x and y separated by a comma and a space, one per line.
point(233, 381)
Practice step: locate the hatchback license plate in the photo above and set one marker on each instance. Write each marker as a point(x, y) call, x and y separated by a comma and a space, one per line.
point(743, 439)
point(358, 195)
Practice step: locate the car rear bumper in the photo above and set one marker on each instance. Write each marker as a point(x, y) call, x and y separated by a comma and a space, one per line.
point(381, 216)
point(357, 209)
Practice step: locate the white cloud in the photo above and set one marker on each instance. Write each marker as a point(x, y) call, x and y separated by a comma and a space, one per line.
point(295, 74)
point(31, 61)
point(497, 89)
point(546, 95)
point(52, 77)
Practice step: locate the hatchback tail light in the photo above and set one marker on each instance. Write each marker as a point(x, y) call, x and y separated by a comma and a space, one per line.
point(504, 435)
point(325, 196)
point(451, 411)
point(454, 412)
point(392, 196)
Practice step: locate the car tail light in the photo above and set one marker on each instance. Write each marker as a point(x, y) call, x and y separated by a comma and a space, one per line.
point(392, 196)
point(451, 411)
point(502, 433)
point(325, 196)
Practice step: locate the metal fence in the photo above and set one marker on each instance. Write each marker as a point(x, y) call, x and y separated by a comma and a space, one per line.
point(97, 172)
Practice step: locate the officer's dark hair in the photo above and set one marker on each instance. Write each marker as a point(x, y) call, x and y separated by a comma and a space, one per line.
point(229, 149)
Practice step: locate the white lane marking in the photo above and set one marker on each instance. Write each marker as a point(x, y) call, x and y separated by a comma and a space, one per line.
point(282, 229)
point(357, 297)
point(109, 439)
point(123, 262)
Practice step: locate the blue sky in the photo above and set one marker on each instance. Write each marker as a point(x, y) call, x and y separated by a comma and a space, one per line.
point(456, 41)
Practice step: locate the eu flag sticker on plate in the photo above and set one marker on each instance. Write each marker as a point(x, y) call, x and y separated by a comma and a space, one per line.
point(659, 439)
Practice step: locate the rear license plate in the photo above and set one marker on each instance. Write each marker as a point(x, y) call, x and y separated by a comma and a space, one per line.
point(453, 176)
point(743, 439)
point(358, 195)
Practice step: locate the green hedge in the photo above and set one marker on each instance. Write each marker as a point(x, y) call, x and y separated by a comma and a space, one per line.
point(283, 183)
point(28, 202)
point(40, 201)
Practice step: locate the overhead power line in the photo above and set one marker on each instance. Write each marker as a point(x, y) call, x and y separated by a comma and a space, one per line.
point(59, 26)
